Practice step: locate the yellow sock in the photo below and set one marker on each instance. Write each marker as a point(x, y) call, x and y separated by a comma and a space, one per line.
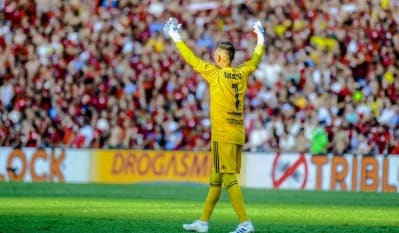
point(210, 202)
point(212, 198)
point(235, 194)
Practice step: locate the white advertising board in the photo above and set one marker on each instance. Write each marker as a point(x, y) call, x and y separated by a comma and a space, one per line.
point(44, 165)
point(296, 171)
point(336, 173)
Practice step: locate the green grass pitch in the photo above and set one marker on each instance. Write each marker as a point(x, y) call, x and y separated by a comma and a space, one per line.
point(153, 208)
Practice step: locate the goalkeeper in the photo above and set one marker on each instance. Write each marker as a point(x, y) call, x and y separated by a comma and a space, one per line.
point(228, 86)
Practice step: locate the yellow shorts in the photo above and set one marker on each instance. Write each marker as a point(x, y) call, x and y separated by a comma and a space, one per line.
point(226, 157)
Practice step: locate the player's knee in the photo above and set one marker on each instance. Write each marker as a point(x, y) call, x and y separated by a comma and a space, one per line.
point(216, 179)
point(229, 179)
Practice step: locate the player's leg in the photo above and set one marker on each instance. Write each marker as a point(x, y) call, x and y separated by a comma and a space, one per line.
point(230, 161)
point(237, 201)
point(215, 185)
point(230, 164)
point(214, 191)
point(235, 195)
point(215, 188)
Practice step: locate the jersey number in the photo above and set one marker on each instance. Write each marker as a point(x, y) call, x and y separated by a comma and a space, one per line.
point(235, 87)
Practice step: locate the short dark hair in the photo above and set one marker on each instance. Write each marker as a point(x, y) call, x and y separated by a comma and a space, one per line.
point(228, 46)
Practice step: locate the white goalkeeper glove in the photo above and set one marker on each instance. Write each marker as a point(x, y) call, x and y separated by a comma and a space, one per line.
point(260, 32)
point(171, 29)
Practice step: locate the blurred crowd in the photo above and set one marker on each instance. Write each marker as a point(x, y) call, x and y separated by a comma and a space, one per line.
point(100, 74)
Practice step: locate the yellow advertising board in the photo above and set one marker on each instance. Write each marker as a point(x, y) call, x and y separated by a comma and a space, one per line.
point(136, 166)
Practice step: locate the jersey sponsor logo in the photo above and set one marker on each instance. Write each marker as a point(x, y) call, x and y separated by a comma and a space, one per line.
point(235, 121)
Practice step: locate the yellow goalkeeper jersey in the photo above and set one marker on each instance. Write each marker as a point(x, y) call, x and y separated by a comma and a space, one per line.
point(228, 87)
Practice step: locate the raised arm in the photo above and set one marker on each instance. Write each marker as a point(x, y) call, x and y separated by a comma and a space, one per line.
point(171, 29)
point(188, 54)
point(258, 51)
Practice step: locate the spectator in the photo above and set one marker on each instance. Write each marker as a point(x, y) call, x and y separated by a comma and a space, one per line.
point(302, 143)
point(340, 142)
point(96, 74)
point(319, 142)
point(258, 137)
point(287, 142)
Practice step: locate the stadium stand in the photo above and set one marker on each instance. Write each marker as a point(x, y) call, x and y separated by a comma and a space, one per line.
point(100, 74)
